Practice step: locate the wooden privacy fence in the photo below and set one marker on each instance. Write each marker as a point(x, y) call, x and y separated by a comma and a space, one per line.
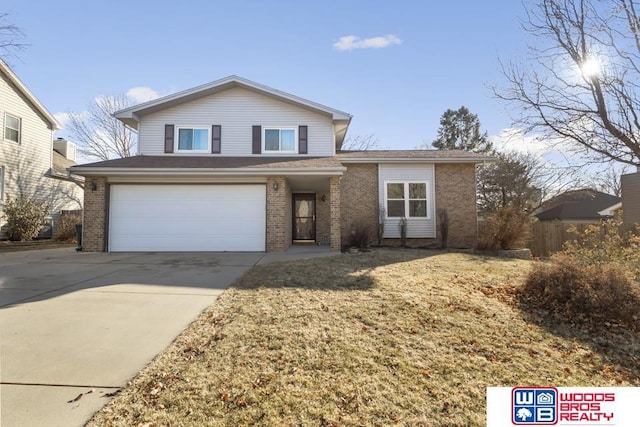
point(548, 237)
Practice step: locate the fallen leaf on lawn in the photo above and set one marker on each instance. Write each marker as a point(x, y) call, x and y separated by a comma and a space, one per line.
point(78, 397)
point(112, 394)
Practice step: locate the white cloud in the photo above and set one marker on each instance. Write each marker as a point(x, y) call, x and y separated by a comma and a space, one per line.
point(515, 140)
point(62, 119)
point(355, 42)
point(141, 94)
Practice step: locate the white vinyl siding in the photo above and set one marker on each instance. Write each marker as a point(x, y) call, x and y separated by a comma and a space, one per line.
point(178, 218)
point(237, 110)
point(1, 183)
point(417, 227)
point(26, 165)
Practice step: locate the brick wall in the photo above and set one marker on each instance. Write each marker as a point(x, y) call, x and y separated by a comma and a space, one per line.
point(359, 200)
point(455, 186)
point(335, 202)
point(93, 222)
point(278, 214)
point(323, 218)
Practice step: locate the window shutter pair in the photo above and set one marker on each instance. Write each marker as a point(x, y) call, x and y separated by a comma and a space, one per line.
point(216, 138)
point(257, 140)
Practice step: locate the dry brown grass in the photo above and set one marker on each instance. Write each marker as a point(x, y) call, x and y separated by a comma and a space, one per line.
point(394, 337)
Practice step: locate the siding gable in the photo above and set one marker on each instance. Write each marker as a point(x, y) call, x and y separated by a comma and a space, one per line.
point(237, 110)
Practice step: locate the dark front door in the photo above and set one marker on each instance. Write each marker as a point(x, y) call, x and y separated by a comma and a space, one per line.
point(304, 216)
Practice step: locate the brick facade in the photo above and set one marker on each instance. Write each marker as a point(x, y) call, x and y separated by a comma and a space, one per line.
point(351, 201)
point(323, 220)
point(335, 212)
point(359, 200)
point(279, 214)
point(95, 208)
point(455, 187)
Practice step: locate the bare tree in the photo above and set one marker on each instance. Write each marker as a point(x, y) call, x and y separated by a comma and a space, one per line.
point(361, 143)
point(581, 81)
point(100, 135)
point(11, 38)
point(608, 180)
point(523, 181)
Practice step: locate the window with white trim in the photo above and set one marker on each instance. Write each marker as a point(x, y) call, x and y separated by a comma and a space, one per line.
point(193, 140)
point(280, 140)
point(12, 125)
point(406, 199)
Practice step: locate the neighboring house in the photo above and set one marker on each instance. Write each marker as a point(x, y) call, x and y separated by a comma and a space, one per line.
point(630, 184)
point(237, 166)
point(28, 163)
point(580, 206)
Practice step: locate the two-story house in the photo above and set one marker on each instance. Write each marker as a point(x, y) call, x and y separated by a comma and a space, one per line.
point(29, 166)
point(234, 165)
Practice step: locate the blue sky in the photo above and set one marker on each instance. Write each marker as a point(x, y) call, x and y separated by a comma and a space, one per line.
point(440, 54)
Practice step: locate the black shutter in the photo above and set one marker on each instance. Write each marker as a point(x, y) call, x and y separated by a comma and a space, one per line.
point(216, 139)
point(257, 139)
point(302, 140)
point(168, 138)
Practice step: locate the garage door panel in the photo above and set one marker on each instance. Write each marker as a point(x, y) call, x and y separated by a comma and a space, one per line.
point(187, 218)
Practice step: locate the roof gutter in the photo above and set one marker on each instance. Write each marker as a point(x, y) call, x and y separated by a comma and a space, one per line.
point(475, 160)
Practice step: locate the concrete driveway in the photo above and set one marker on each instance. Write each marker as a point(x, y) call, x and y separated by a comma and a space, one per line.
point(76, 324)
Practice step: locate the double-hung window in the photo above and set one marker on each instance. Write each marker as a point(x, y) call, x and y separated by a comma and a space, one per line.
point(193, 140)
point(406, 199)
point(12, 128)
point(280, 140)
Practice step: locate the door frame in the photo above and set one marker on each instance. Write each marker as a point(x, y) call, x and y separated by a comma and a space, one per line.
point(293, 217)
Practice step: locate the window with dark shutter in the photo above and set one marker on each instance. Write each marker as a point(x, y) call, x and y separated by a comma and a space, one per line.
point(302, 139)
point(257, 140)
point(168, 138)
point(216, 139)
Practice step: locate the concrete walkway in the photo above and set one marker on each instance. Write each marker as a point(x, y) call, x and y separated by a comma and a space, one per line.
point(75, 327)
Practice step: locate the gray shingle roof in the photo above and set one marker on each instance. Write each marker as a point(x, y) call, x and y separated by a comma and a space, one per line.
point(413, 154)
point(215, 162)
point(578, 204)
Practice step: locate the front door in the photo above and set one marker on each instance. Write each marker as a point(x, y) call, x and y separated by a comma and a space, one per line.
point(304, 217)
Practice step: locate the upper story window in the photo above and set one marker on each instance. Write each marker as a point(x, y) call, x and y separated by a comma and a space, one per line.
point(280, 140)
point(193, 140)
point(12, 128)
point(406, 199)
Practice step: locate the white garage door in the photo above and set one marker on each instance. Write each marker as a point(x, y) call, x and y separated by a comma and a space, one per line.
point(177, 218)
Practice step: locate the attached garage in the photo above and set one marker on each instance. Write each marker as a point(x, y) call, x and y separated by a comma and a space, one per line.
point(184, 218)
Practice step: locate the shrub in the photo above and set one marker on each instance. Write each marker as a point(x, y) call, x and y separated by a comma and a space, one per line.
point(381, 218)
point(594, 293)
point(505, 228)
point(66, 229)
point(24, 218)
point(403, 232)
point(603, 243)
point(360, 236)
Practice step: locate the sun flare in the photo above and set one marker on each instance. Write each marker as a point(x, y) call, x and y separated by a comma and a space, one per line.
point(591, 68)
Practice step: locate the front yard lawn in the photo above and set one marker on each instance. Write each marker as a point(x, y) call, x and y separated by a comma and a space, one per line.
point(393, 337)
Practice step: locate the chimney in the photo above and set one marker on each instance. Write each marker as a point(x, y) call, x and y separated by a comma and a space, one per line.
point(66, 148)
